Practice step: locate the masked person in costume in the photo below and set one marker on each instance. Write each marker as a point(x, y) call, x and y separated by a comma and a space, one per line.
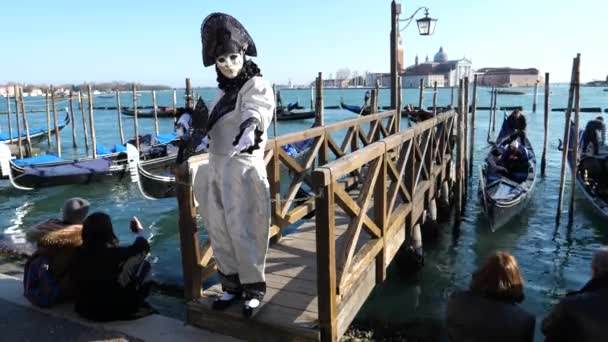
point(233, 193)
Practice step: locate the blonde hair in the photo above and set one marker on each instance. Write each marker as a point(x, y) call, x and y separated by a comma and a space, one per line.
point(499, 278)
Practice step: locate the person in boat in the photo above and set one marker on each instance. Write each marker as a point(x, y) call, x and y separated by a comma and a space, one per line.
point(419, 114)
point(515, 162)
point(58, 241)
point(112, 281)
point(595, 134)
point(489, 310)
point(582, 315)
point(233, 191)
point(516, 122)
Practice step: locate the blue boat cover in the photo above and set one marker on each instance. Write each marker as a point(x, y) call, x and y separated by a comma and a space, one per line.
point(102, 150)
point(166, 138)
point(75, 168)
point(41, 159)
point(5, 136)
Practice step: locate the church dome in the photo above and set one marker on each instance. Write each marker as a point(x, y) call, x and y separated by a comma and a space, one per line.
point(440, 56)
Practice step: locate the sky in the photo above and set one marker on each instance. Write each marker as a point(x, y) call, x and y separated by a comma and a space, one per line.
point(159, 41)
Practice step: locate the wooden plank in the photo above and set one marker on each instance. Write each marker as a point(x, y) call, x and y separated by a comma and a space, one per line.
point(350, 305)
point(344, 200)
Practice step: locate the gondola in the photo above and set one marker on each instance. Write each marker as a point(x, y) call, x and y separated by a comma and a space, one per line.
point(502, 198)
point(510, 92)
point(161, 112)
point(36, 135)
point(591, 175)
point(289, 115)
point(356, 109)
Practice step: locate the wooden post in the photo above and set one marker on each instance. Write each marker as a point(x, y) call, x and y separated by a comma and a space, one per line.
point(72, 119)
point(421, 96)
point(535, 96)
point(465, 111)
point(92, 121)
point(373, 106)
point(275, 123)
point(566, 144)
point(459, 155)
point(543, 162)
point(48, 120)
point(574, 163)
point(118, 112)
point(435, 98)
point(312, 98)
point(16, 92)
point(395, 11)
point(473, 112)
point(319, 110)
point(10, 125)
point(397, 127)
point(26, 126)
point(84, 122)
point(188, 94)
point(452, 98)
point(188, 234)
point(135, 123)
point(326, 255)
point(56, 122)
point(495, 108)
point(155, 111)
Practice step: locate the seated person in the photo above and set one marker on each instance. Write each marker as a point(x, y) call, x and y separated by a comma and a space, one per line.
point(515, 161)
point(582, 315)
point(517, 122)
point(112, 281)
point(58, 240)
point(595, 134)
point(489, 310)
point(493, 160)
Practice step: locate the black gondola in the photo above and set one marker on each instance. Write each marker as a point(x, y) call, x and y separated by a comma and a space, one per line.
point(501, 197)
point(36, 135)
point(161, 112)
point(356, 109)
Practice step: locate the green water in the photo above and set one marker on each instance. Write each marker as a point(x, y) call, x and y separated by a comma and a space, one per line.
point(553, 261)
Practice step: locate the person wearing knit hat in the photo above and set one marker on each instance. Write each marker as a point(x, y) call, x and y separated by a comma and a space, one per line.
point(58, 239)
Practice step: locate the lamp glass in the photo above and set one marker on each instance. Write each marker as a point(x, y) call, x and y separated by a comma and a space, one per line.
point(426, 26)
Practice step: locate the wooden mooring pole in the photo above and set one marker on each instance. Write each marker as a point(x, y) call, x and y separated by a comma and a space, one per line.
point(135, 122)
point(465, 110)
point(72, 119)
point(494, 109)
point(566, 144)
point(312, 98)
point(459, 156)
point(188, 94)
point(10, 125)
point(274, 122)
point(56, 122)
point(452, 97)
point(319, 109)
point(574, 163)
point(543, 162)
point(119, 114)
point(473, 113)
point(535, 96)
point(26, 125)
point(92, 120)
point(421, 95)
point(48, 119)
point(435, 98)
point(19, 143)
point(85, 130)
point(155, 111)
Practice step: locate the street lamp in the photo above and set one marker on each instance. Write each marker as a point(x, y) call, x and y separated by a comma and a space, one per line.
point(426, 25)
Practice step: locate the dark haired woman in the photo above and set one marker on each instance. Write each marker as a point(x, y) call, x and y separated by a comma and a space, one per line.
point(112, 281)
point(489, 310)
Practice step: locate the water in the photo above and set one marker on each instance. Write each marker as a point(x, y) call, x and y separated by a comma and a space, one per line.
point(552, 261)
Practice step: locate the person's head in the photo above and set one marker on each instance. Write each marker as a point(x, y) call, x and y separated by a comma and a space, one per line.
point(599, 263)
point(499, 278)
point(516, 113)
point(599, 118)
point(513, 147)
point(97, 231)
point(74, 210)
point(225, 43)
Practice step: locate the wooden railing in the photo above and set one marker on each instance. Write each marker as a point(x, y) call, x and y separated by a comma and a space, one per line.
point(399, 176)
point(330, 142)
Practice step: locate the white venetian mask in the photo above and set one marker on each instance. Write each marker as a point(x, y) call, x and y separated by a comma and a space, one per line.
point(230, 64)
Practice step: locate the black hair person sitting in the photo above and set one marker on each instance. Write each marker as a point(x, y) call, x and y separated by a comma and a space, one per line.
point(111, 281)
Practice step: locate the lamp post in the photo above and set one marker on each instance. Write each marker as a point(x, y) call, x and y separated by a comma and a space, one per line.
point(426, 27)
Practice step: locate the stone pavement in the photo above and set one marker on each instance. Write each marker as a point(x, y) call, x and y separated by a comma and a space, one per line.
point(20, 321)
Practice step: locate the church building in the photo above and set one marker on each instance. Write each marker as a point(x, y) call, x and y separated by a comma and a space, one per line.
point(441, 70)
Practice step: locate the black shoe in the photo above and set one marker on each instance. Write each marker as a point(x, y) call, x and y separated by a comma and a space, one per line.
point(247, 311)
point(219, 304)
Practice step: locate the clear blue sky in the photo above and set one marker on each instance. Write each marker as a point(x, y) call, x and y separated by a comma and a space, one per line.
point(159, 41)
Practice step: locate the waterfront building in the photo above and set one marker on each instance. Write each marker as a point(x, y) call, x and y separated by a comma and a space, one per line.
point(384, 78)
point(508, 77)
point(442, 70)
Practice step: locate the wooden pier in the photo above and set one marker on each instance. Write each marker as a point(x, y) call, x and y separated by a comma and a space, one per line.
point(372, 187)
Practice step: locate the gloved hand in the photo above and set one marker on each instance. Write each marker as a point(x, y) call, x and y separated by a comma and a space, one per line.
point(182, 125)
point(246, 141)
point(203, 145)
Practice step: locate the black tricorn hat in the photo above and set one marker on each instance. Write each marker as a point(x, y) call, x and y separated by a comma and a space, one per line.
point(221, 34)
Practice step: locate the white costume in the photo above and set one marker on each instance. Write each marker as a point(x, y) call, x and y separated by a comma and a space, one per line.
point(233, 192)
